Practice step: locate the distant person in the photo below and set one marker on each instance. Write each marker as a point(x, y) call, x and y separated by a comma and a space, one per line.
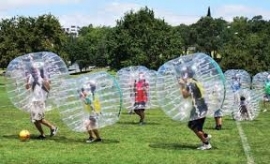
point(93, 107)
point(141, 97)
point(236, 86)
point(39, 85)
point(190, 88)
point(244, 115)
point(218, 119)
point(267, 90)
point(218, 113)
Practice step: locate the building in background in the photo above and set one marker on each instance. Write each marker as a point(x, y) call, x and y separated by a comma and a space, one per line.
point(72, 30)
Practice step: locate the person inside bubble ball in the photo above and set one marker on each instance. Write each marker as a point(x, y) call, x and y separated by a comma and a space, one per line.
point(236, 86)
point(39, 85)
point(141, 97)
point(190, 88)
point(218, 113)
point(267, 90)
point(243, 109)
point(88, 96)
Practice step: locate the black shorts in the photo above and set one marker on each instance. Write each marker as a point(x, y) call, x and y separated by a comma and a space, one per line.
point(197, 124)
point(139, 105)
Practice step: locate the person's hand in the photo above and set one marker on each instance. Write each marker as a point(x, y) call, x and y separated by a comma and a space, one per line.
point(27, 86)
point(181, 82)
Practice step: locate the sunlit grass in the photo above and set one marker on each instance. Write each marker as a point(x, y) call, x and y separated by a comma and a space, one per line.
point(160, 141)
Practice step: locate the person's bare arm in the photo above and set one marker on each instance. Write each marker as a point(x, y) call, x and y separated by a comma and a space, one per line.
point(185, 93)
point(183, 88)
point(46, 84)
point(28, 85)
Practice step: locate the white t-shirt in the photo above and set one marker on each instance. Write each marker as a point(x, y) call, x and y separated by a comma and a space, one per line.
point(37, 94)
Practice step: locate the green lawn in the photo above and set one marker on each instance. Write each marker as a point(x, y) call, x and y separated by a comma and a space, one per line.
point(160, 141)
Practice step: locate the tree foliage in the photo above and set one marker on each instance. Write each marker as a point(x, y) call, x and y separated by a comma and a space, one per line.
point(139, 38)
point(20, 35)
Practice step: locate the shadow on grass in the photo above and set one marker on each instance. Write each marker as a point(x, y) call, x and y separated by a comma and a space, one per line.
point(63, 139)
point(83, 141)
point(137, 123)
point(174, 146)
point(11, 136)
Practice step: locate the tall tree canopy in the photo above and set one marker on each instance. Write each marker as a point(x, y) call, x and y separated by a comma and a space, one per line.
point(20, 35)
point(141, 39)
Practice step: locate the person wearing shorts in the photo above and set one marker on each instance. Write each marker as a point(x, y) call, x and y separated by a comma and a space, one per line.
point(236, 86)
point(189, 88)
point(88, 97)
point(243, 109)
point(39, 86)
point(141, 98)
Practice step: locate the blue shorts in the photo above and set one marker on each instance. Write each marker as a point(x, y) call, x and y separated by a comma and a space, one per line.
point(218, 113)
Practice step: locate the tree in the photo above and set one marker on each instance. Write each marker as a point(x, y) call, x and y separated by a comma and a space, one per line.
point(20, 35)
point(141, 39)
point(188, 36)
point(209, 34)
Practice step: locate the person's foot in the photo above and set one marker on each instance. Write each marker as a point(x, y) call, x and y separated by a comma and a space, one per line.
point(89, 140)
point(41, 137)
point(218, 127)
point(205, 147)
point(54, 131)
point(98, 140)
point(141, 123)
point(92, 140)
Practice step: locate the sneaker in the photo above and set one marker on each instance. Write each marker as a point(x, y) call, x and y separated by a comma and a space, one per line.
point(41, 137)
point(98, 140)
point(90, 140)
point(218, 127)
point(141, 123)
point(205, 147)
point(54, 131)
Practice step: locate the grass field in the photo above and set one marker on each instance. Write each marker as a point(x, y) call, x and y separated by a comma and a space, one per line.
point(160, 141)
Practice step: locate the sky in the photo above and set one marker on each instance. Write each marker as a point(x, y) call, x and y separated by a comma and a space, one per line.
point(106, 12)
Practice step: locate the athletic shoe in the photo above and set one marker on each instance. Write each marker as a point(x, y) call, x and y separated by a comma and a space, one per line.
point(54, 131)
point(98, 140)
point(218, 127)
point(90, 139)
point(141, 123)
point(205, 147)
point(41, 137)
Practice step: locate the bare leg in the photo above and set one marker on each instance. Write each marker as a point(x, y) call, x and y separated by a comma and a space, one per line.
point(201, 136)
point(140, 113)
point(96, 132)
point(47, 123)
point(90, 132)
point(39, 127)
point(218, 123)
